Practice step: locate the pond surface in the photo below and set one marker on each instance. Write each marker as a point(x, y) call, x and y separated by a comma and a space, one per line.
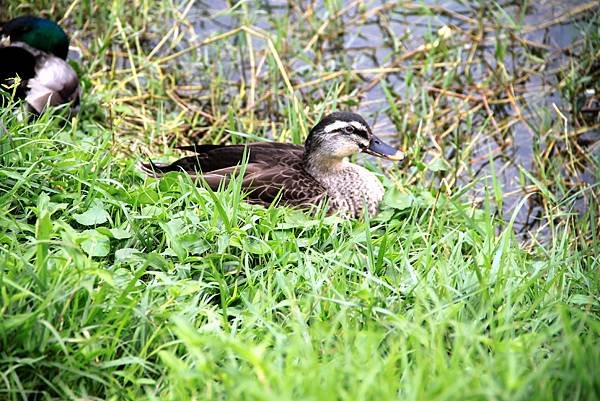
point(487, 102)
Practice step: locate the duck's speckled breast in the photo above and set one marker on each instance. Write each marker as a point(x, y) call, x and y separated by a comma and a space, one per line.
point(351, 188)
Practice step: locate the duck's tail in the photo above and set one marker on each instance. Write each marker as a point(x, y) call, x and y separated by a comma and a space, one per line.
point(152, 169)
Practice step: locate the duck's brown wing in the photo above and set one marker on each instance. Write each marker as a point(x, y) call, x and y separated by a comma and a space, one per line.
point(216, 157)
point(274, 171)
point(211, 158)
point(264, 184)
point(289, 185)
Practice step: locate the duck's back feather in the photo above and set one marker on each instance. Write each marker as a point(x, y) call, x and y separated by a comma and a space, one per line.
point(54, 83)
point(215, 157)
point(273, 171)
point(46, 79)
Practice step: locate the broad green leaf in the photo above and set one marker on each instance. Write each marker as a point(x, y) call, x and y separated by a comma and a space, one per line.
point(93, 216)
point(398, 200)
point(119, 233)
point(124, 254)
point(95, 243)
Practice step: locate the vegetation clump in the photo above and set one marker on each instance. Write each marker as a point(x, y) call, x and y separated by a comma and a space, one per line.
point(465, 286)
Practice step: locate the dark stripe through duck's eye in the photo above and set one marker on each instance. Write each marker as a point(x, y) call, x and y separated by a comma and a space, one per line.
point(348, 129)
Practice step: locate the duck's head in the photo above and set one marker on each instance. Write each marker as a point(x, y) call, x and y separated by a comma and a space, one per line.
point(39, 33)
point(342, 134)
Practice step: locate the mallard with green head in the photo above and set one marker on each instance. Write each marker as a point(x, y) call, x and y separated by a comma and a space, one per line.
point(35, 50)
point(294, 175)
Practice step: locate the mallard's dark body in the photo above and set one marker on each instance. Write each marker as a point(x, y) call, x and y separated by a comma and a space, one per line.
point(35, 49)
point(293, 175)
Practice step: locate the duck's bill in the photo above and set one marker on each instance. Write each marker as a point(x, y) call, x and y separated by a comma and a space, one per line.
point(381, 149)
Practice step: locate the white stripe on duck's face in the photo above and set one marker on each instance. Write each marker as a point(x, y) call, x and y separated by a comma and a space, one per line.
point(343, 138)
point(349, 131)
point(340, 125)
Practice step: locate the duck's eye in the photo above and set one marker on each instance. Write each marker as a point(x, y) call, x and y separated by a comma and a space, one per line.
point(349, 129)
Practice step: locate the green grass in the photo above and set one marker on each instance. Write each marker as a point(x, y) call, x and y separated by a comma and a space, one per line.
point(116, 286)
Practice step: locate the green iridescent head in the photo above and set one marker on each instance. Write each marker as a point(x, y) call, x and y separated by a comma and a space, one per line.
point(39, 33)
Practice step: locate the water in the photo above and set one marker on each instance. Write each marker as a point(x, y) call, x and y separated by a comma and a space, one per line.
point(503, 138)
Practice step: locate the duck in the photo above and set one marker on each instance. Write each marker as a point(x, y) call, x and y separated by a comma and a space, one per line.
point(295, 175)
point(35, 50)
